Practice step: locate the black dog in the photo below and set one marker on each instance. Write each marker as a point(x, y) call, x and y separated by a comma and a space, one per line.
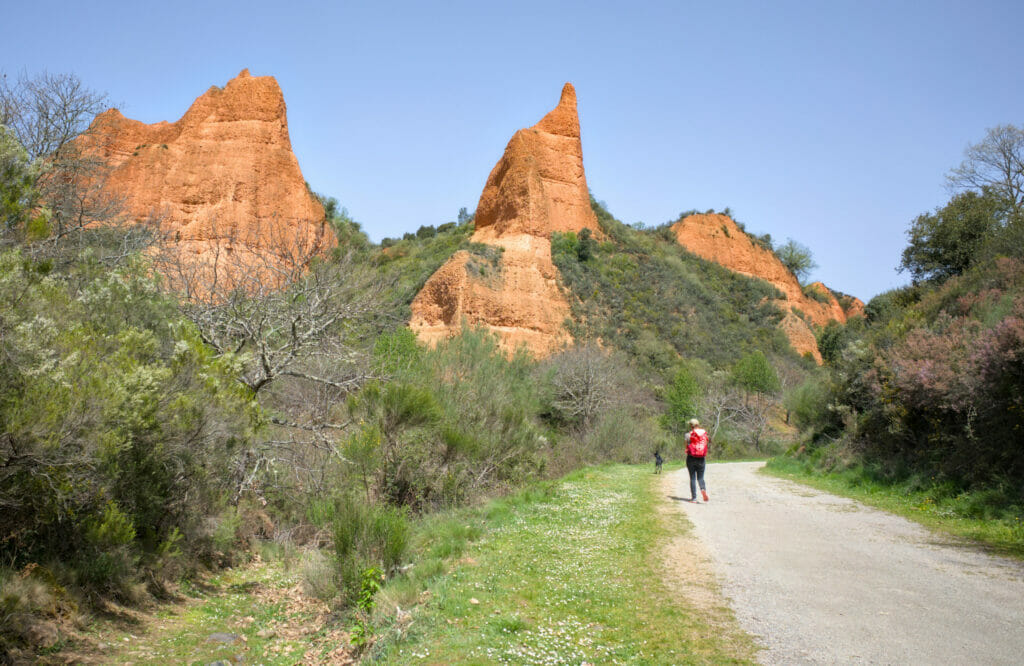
point(657, 462)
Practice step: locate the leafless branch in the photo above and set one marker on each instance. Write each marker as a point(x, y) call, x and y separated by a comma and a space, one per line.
point(996, 163)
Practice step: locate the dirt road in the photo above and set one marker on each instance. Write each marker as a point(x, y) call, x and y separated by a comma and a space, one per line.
point(823, 579)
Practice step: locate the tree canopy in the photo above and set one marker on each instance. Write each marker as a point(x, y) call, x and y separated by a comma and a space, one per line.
point(945, 243)
point(755, 373)
point(797, 258)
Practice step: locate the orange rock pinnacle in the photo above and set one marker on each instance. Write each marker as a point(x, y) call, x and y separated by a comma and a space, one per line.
point(537, 187)
point(221, 179)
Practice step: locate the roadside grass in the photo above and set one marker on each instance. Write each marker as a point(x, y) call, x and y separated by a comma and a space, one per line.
point(566, 572)
point(971, 515)
point(249, 614)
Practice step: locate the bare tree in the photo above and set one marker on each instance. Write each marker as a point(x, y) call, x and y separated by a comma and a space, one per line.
point(48, 111)
point(293, 314)
point(726, 404)
point(585, 382)
point(722, 402)
point(995, 163)
point(273, 301)
point(50, 116)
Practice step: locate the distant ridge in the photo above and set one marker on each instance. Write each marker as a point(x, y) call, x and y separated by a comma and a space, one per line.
point(717, 237)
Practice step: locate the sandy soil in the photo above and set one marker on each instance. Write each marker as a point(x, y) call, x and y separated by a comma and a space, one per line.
point(822, 579)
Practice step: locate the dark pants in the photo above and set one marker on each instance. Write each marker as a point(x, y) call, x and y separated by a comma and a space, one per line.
point(695, 466)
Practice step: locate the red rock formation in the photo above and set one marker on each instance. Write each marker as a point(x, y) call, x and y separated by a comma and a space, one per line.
point(222, 181)
point(851, 305)
point(537, 187)
point(717, 238)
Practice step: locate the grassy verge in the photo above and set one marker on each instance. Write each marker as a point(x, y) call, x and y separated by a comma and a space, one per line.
point(568, 573)
point(572, 571)
point(966, 515)
point(251, 614)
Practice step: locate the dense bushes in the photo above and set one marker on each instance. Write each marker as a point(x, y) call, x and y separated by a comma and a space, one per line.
point(951, 391)
point(444, 426)
point(119, 425)
point(930, 386)
point(449, 421)
point(933, 384)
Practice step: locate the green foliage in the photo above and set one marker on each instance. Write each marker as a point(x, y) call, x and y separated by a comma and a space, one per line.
point(834, 337)
point(446, 422)
point(403, 267)
point(932, 384)
point(949, 241)
point(349, 232)
point(815, 292)
point(366, 537)
point(797, 258)
point(889, 305)
point(641, 292)
point(370, 584)
point(18, 195)
point(586, 245)
point(116, 416)
point(681, 400)
point(755, 373)
point(807, 403)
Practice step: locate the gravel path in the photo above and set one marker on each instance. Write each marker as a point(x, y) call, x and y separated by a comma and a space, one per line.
point(823, 579)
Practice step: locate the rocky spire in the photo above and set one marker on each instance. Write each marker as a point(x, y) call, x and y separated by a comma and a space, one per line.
point(536, 188)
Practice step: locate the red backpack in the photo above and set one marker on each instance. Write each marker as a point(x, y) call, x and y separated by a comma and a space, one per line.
point(698, 446)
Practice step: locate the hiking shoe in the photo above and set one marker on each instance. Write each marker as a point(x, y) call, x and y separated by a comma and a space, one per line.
point(703, 493)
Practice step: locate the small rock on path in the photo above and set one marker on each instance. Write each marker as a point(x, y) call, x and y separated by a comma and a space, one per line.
point(818, 578)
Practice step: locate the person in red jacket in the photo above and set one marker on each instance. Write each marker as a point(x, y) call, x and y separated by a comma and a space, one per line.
point(696, 452)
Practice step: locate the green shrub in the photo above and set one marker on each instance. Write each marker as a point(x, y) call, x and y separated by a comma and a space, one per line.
point(366, 536)
point(681, 400)
point(449, 422)
point(815, 292)
point(115, 416)
point(640, 291)
point(755, 373)
point(807, 403)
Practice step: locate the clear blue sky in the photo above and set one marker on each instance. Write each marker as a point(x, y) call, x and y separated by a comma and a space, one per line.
point(832, 123)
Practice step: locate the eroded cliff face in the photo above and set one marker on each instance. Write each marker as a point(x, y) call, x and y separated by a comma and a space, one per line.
point(717, 238)
point(537, 187)
point(222, 182)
